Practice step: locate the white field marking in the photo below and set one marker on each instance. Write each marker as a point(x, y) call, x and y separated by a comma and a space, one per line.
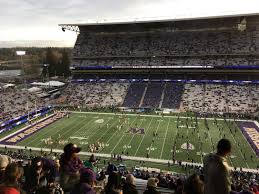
point(56, 131)
point(143, 137)
point(224, 125)
point(165, 139)
point(238, 149)
point(79, 138)
point(160, 161)
point(97, 125)
point(28, 126)
point(198, 118)
point(134, 135)
point(256, 123)
point(120, 138)
point(198, 133)
point(156, 132)
point(44, 132)
point(99, 129)
point(106, 131)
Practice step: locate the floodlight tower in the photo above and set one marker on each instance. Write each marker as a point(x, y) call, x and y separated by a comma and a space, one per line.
point(21, 54)
point(47, 66)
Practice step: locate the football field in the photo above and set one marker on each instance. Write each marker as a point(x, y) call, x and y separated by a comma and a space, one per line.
point(153, 136)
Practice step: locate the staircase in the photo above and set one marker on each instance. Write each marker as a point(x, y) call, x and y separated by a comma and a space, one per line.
point(143, 96)
point(162, 96)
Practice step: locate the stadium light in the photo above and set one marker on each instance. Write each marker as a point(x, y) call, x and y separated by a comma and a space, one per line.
point(20, 53)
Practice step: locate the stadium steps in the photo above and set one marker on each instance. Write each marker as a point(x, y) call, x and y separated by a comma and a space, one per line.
point(162, 96)
point(143, 96)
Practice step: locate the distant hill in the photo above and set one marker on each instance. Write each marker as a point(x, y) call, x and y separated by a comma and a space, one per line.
point(35, 43)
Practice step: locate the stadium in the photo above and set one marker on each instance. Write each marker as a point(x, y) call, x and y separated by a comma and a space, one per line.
point(157, 93)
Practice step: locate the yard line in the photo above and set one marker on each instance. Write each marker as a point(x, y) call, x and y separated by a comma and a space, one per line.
point(116, 120)
point(120, 137)
point(92, 134)
point(44, 133)
point(132, 138)
point(57, 131)
point(165, 138)
point(143, 137)
point(80, 127)
point(224, 124)
point(152, 142)
point(239, 149)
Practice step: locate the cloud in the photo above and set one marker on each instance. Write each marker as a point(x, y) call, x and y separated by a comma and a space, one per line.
point(34, 19)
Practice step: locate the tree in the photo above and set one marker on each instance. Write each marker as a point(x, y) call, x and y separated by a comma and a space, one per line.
point(65, 63)
point(52, 61)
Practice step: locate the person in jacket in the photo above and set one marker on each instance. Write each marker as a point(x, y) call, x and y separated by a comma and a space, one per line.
point(91, 163)
point(129, 187)
point(42, 172)
point(70, 166)
point(217, 171)
point(113, 185)
point(152, 186)
point(11, 183)
point(86, 184)
point(193, 185)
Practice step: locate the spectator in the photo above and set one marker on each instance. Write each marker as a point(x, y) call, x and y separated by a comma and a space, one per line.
point(4, 161)
point(91, 163)
point(114, 184)
point(193, 185)
point(11, 181)
point(42, 172)
point(129, 187)
point(151, 186)
point(70, 165)
point(111, 168)
point(216, 170)
point(86, 184)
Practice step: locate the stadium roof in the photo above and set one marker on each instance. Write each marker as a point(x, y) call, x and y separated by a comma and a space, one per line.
point(137, 21)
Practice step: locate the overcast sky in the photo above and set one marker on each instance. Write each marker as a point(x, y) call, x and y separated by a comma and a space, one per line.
point(39, 19)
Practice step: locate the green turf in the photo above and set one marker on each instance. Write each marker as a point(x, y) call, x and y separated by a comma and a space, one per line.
point(83, 125)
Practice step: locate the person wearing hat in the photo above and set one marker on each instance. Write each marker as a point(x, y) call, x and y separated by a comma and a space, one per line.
point(70, 166)
point(129, 187)
point(86, 183)
point(151, 186)
point(41, 172)
point(91, 163)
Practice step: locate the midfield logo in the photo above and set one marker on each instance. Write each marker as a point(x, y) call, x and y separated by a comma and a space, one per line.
point(136, 131)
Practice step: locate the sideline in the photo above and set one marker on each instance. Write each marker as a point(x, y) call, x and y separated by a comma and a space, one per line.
point(144, 115)
point(27, 126)
point(154, 160)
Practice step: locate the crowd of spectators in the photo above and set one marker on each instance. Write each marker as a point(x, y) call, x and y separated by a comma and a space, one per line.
point(94, 94)
point(168, 48)
point(15, 102)
point(219, 98)
point(22, 173)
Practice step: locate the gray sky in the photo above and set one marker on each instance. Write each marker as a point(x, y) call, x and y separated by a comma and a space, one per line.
point(39, 19)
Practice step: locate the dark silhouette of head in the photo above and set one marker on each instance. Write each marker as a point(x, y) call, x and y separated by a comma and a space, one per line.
point(223, 147)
